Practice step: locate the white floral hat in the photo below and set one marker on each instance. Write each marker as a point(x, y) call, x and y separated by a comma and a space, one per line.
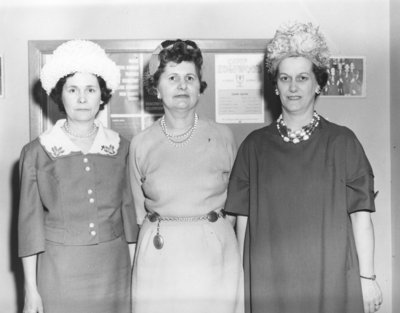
point(79, 56)
point(297, 39)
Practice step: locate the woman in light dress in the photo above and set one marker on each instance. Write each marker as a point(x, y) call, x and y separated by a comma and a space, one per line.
point(187, 258)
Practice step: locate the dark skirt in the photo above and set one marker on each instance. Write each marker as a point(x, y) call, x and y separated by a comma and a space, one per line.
point(85, 279)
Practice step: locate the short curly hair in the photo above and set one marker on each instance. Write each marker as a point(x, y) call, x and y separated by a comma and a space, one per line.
point(56, 92)
point(175, 51)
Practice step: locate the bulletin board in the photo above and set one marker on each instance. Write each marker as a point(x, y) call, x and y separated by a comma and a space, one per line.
point(132, 109)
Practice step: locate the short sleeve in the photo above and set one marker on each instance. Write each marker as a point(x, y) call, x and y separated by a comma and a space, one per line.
point(359, 178)
point(230, 145)
point(31, 233)
point(238, 199)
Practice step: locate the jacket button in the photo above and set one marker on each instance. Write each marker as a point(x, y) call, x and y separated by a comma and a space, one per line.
point(85, 160)
point(87, 168)
point(91, 225)
point(91, 200)
point(90, 191)
point(93, 233)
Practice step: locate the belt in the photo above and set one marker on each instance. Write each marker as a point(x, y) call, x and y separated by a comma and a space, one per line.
point(211, 216)
point(158, 240)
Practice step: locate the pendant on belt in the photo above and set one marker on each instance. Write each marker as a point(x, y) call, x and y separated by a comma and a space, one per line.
point(158, 240)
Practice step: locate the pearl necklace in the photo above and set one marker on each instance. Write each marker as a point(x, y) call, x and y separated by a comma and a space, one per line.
point(182, 139)
point(297, 136)
point(73, 134)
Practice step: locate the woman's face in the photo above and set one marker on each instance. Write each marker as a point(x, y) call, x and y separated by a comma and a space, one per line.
point(179, 86)
point(81, 96)
point(297, 85)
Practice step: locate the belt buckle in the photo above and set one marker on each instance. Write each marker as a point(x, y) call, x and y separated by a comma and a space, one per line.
point(212, 216)
point(153, 217)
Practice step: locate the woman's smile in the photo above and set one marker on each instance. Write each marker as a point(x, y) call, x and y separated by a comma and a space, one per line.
point(294, 97)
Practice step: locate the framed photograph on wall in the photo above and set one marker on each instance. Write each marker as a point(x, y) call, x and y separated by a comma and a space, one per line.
point(1, 76)
point(347, 77)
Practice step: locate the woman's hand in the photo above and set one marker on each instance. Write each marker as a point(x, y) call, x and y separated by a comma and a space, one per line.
point(364, 238)
point(372, 295)
point(33, 301)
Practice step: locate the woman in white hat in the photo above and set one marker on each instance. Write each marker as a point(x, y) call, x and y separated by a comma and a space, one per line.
point(76, 216)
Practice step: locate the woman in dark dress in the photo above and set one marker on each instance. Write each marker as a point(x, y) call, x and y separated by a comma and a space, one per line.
point(76, 214)
point(303, 191)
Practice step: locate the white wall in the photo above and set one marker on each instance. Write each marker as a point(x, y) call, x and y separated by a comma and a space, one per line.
point(395, 143)
point(352, 27)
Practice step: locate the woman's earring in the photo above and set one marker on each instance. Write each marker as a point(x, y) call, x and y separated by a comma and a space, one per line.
point(318, 90)
point(158, 95)
point(277, 91)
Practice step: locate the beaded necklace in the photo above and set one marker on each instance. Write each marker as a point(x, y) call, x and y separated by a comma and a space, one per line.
point(297, 136)
point(73, 134)
point(182, 139)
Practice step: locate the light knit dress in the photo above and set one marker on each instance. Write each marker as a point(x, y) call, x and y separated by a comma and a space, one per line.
point(198, 270)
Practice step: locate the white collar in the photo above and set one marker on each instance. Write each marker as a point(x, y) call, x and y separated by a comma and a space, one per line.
point(57, 143)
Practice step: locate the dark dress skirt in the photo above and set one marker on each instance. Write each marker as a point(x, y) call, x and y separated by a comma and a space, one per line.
point(85, 279)
point(300, 254)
